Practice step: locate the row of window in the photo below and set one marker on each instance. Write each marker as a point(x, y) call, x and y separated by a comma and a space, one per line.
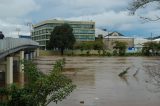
point(47, 25)
point(42, 42)
point(84, 36)
point(90, 26)
point(75, 31)
point(84, 31)
point(41, 37)
point(43, 31)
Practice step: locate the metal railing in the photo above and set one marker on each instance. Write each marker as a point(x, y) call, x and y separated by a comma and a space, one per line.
point(11, 43)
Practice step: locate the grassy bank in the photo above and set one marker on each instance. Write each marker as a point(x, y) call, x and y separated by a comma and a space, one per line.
point(69, 52)
point(84, 53)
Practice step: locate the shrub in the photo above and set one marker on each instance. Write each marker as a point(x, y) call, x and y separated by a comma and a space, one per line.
point(41, 89)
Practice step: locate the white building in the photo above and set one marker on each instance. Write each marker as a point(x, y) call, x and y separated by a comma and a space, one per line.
point(157, 40)
point(138, 44)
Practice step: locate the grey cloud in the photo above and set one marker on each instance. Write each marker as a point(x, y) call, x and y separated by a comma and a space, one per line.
point(111, 14)
point(12, 13)
point(16, 8)
point(9, 29)
point(120, 21)
point(68, 8)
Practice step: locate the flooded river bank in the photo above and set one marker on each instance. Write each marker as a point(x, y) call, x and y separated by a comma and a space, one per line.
point(98, 83)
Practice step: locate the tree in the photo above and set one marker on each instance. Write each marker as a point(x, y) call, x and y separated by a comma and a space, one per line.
point(90, 45)
point(151, 48)
point(41, 89)
point(79, 45)
point(85, 45)
point(62, 38)
point(1, 35)
point(137, 4)
point(98, 45)
point(121, 47)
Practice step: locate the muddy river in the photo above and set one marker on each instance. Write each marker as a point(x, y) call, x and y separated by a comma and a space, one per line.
point(98, 83)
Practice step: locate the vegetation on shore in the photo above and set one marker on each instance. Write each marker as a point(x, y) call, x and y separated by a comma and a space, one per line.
point(87, 46)
point(40, 89)
point(95, 48)
point(120, 48)
point(151, 49)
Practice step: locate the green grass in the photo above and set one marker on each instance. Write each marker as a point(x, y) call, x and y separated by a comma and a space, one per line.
point(70, 53)
point(84, 53)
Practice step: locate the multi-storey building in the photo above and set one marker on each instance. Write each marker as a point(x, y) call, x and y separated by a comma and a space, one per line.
point(82, 30)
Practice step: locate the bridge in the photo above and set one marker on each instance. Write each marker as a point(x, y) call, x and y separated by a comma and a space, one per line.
point(12, 52)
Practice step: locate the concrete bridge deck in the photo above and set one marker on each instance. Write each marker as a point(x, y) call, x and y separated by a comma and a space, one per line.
point(12, 45)
point(12, 52)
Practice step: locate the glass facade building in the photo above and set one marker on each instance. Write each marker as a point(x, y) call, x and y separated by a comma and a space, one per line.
point(82, 30)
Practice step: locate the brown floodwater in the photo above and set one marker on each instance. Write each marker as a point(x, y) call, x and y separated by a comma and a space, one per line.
point(98, 83)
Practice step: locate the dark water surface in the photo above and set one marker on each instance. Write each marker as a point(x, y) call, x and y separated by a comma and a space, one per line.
point(98, 83)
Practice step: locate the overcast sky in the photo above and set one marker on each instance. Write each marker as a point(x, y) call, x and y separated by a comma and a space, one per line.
point(109, 14)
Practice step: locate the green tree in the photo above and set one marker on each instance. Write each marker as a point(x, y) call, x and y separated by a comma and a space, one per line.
point(78, 45)
point(88, 45)
point(62, 38)
point(138, 4)
point(151, 48)
point(41, 89)
point(98, 45)
point(82, 46)
point(121, 47)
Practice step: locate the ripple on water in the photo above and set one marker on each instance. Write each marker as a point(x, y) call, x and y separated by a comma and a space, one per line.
point(97, 77)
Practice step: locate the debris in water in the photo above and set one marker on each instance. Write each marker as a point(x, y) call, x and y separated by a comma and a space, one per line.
point(124, 72)
point(146, 81)
point(82, 102)
point(136, 73)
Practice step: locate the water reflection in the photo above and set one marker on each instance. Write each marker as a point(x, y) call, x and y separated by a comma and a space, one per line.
point(153, 72)
point(98, 83)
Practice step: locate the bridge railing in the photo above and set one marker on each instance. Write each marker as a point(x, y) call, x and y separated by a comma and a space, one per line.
point(11, 43)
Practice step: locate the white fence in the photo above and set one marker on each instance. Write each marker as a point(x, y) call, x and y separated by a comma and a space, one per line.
point(11, 43)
